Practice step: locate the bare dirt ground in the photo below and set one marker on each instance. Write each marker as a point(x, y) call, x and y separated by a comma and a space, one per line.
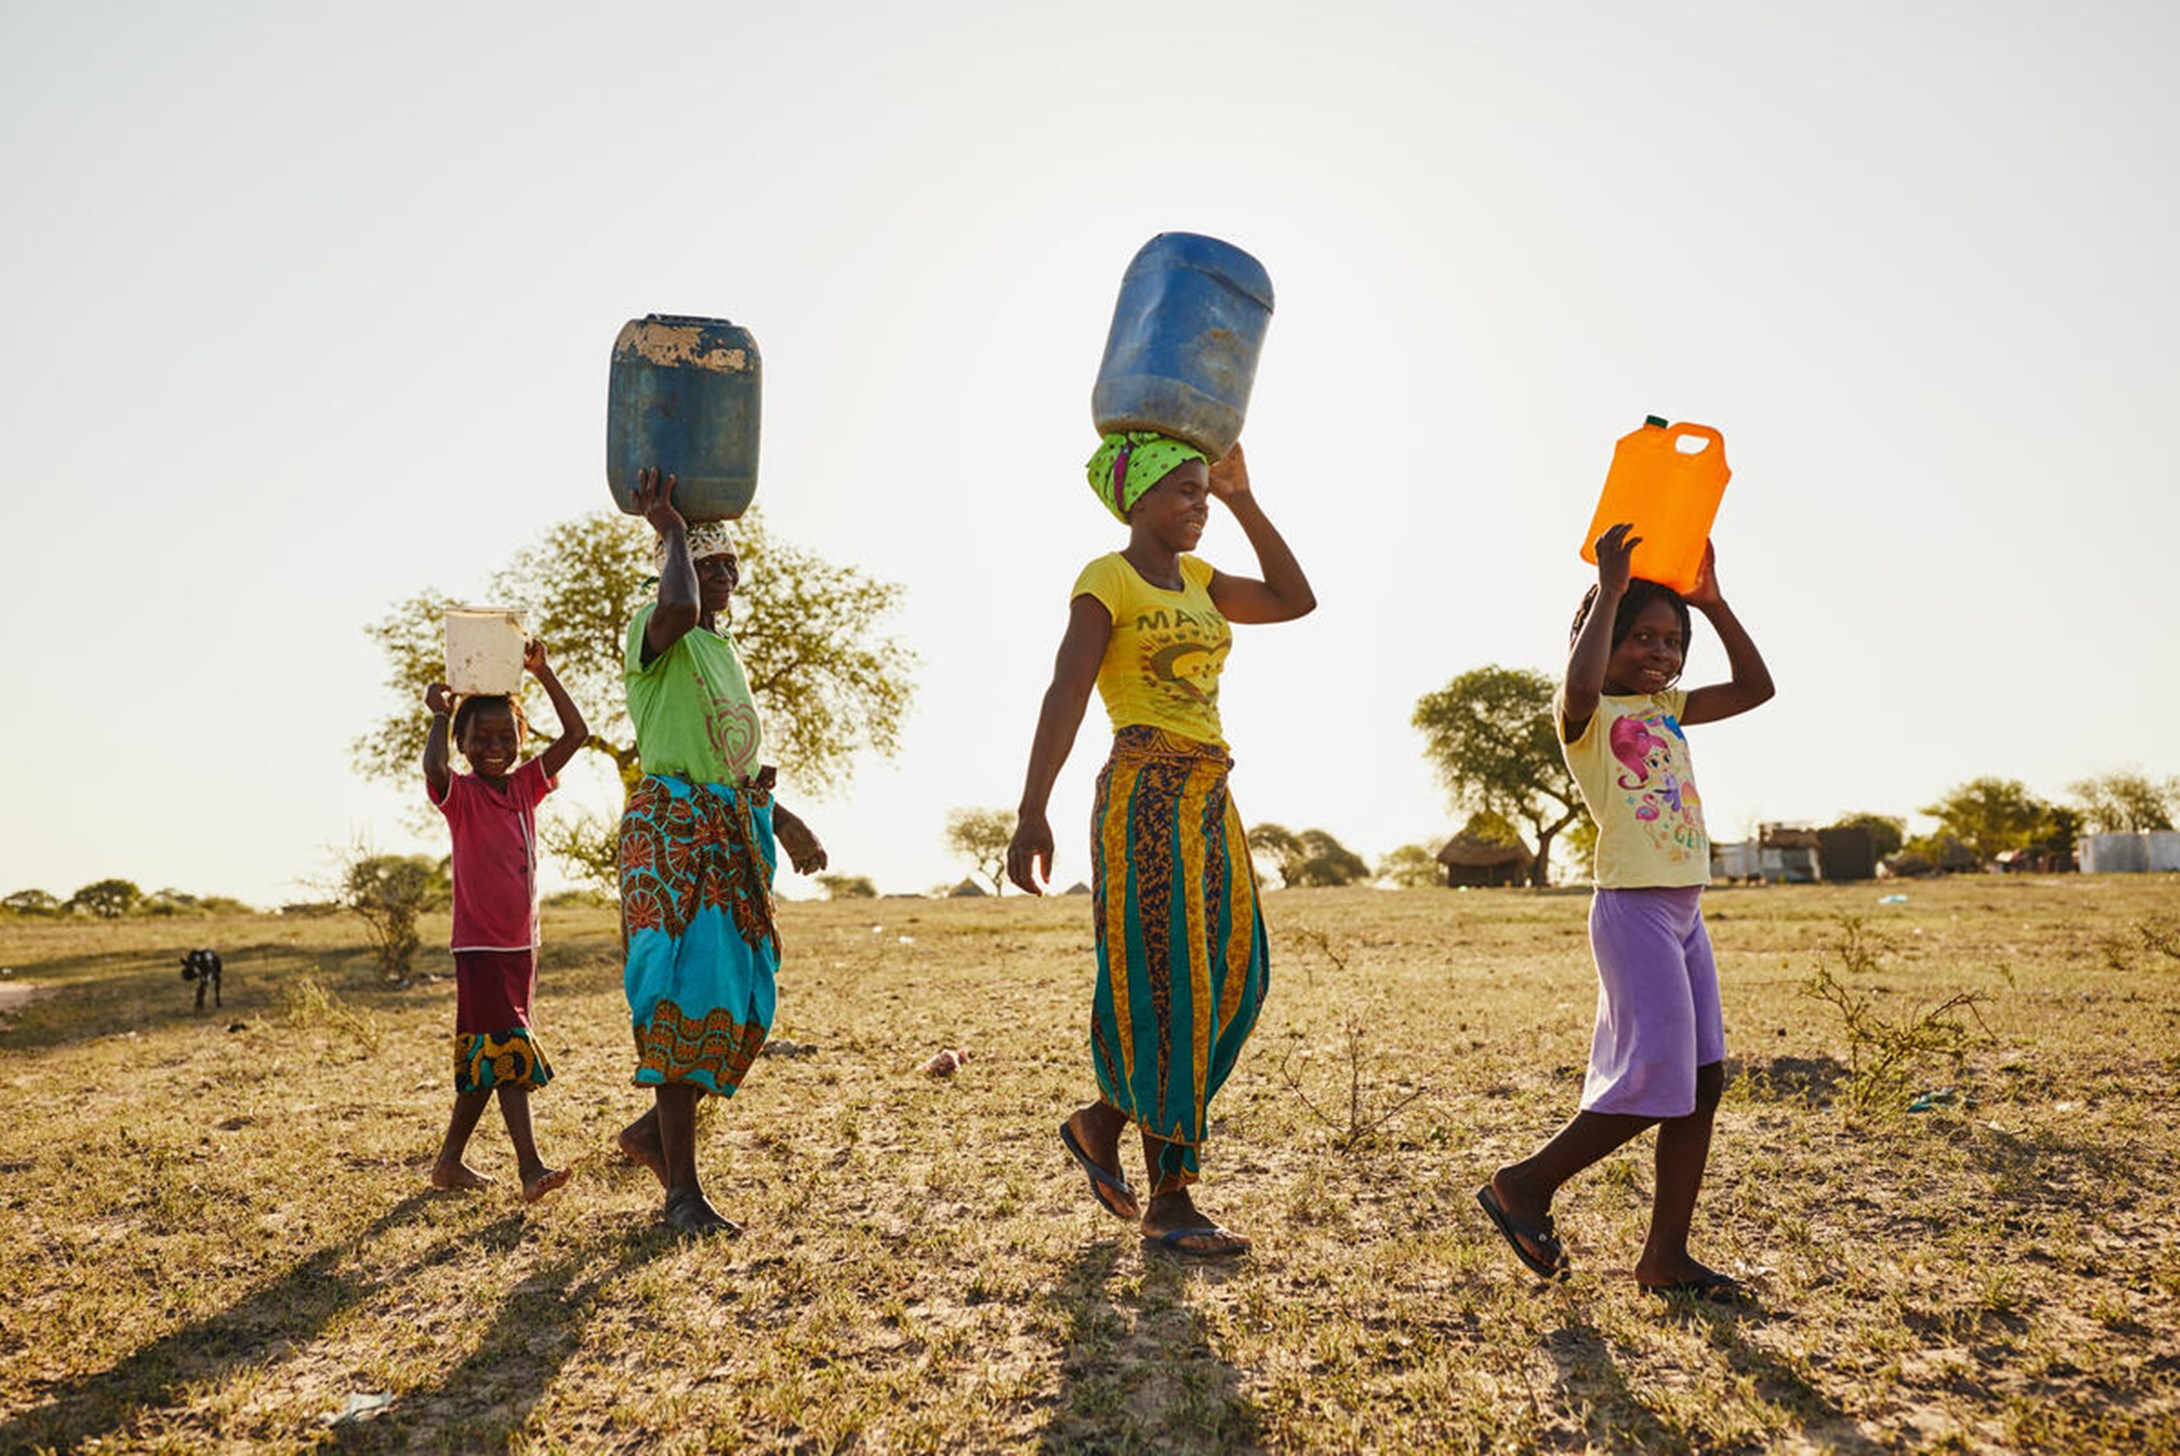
point(218, 1235)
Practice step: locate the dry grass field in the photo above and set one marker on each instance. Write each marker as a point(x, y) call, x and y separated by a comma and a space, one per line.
point(215, 1232)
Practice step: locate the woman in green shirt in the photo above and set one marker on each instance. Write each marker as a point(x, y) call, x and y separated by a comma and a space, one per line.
point(697, 854)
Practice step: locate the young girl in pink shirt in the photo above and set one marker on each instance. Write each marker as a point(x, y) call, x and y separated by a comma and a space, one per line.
point(492, 814)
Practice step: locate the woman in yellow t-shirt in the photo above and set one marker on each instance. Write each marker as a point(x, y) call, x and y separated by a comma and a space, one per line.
point(1181, 956)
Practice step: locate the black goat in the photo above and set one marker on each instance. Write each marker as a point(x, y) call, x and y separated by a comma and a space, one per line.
point(203, 967)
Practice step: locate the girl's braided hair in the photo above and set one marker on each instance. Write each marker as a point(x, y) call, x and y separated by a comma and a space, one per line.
point(1639, 594)
point(465, 712)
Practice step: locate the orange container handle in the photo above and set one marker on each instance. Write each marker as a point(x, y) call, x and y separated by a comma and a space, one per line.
point(1702, 432)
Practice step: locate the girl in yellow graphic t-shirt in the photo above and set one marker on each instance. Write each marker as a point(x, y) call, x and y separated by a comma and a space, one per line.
point(1181, 953)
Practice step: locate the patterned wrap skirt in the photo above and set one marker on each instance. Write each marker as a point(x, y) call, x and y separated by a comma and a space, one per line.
point(1182, 959)
point(696, 924)
point(493, 1044)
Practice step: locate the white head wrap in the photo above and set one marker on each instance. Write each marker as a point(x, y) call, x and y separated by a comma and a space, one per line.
point(706, 538)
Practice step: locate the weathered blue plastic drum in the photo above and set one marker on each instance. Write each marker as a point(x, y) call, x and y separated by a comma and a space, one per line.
point(685, 398)
point(1182, 354)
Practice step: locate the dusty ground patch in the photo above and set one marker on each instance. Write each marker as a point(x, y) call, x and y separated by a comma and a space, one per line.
point(218, 1231)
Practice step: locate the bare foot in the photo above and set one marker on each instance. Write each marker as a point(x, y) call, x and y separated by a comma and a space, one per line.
point(1174, 1222)
point(690, 1212)
point(450, 1176)
point(545, 1182)
point(1684, 1275)
point(639, 1142)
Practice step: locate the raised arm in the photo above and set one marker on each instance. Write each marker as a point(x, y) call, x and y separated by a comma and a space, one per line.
point(1592, 650)
point(1751, 682)
point(1284, 593)
point(440, 702)
point(1074, 675)
point(574, 732)
point(679, 607)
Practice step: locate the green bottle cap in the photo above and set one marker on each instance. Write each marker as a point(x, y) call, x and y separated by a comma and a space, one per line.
point(1656, 421)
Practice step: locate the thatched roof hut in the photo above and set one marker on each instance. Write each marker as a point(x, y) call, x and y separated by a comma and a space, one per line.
point(1473, 858)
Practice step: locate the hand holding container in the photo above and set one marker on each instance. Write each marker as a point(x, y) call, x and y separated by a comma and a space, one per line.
point(1670, 494)
point(1181, 356)
point(684, 399)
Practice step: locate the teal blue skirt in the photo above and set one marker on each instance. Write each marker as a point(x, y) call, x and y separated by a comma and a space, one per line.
point(703, 957)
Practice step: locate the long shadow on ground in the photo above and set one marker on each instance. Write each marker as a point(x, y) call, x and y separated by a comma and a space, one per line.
point(1137, 1373)
point(535, 1329)
point(1612, 1413)
point(289, 1311)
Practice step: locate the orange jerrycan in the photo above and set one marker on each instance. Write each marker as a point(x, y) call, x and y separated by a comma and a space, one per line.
point(1670, 493)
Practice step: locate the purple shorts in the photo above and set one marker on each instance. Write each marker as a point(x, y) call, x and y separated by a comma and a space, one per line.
point(1658, 1016)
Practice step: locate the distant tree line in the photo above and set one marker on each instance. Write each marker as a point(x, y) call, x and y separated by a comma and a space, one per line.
point(115, 898)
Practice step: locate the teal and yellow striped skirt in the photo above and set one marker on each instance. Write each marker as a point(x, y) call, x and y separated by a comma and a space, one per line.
point(1181, 955)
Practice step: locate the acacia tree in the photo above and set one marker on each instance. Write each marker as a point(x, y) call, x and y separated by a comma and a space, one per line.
point(1490, 737)
point(1311, 857)
point(2126, 801)
point(982, 836)
point(1410, 867)
point(107, 899)
point(827, 683)
point(1993, 815)
point(1326, 861)
point(1887, 833)
point(1274, 847)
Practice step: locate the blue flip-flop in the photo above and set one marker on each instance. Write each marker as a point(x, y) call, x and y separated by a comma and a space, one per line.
point(1171, 1240)
point(1101, 1182)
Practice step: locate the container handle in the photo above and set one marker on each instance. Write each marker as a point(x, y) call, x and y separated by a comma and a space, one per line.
point(1703, 432)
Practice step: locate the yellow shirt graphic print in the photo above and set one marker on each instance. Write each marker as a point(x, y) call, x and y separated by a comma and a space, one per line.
point(1162, 663)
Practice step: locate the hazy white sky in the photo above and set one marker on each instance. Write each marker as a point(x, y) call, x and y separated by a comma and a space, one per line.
point(305, 310)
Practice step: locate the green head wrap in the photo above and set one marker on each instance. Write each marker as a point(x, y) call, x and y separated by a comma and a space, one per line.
point(1128, 464)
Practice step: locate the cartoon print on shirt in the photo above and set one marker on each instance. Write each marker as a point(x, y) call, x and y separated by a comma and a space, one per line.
point(1647, 754)
point(1182, 652)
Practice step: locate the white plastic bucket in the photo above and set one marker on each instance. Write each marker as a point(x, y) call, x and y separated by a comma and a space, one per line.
point(484, 649)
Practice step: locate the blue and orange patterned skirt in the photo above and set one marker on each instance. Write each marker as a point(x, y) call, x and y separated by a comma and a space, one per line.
point(696, 921)
point(1182, 960)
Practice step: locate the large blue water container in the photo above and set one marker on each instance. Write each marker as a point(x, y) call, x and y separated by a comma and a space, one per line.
point(684, 398)
point(1186, 333)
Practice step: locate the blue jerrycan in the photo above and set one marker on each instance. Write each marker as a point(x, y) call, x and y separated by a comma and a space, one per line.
point(1182, 353)
point(684, 398)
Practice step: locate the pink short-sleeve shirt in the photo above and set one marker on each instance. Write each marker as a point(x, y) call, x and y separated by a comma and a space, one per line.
point(495, 857)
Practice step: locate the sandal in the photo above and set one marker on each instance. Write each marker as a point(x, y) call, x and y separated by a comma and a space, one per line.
point(1552, 1264)
point(1112, 1193)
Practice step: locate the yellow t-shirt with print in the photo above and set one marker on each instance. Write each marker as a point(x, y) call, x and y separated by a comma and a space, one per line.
point(1639, 784)
point(1162, 662)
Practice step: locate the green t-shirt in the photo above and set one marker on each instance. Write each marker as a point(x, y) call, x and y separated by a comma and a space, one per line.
point(691, 707)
